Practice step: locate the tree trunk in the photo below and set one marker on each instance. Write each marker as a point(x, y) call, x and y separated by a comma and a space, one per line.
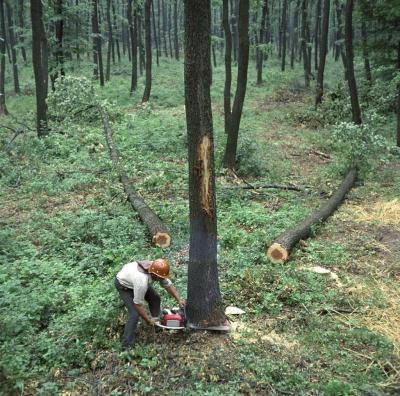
point(280, 249)
point(340, 49)
point(284, 34)
point(110, 40)
point(155, 34)
point(351, 78)
point(304, 42)
point(164, 19)
point(367, 66)
point(142, 61)
point(398, 96)
point(317, 32)
point(228, 65)
point(176, 40)
point(159, 234)
point(59, 25)
point(132, 21)
point(260, 54)
point(323, 52)
point(295, 37)
point(234, 30)
point(204, 303)
point(169, 31)
point(243, 63)
point(97, 42)
point(117, 33)
point(11, 35)
point(147, 26)
point(21, 23)
point(39, 61)
point(3, 108)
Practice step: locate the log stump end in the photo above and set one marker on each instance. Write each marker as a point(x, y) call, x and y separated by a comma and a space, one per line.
point(162, 239)
point(277, 253)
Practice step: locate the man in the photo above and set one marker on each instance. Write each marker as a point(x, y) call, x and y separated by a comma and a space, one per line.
point(133, 283)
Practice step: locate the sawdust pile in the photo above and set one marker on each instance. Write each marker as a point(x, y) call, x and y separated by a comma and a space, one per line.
point(385, 212)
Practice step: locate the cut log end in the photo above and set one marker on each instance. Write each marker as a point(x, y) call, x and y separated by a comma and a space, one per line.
point(162, 239)
point(277, 253)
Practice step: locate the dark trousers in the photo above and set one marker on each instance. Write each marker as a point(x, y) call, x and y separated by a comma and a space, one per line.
point(126, 294)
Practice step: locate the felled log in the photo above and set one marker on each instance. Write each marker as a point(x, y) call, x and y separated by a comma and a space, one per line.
point(280, 249)
point(159, 233)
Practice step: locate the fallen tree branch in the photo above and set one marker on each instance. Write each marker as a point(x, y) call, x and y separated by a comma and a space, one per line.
point(159, 233)
point(17, 132)
point(290, 187)
point(280, 249)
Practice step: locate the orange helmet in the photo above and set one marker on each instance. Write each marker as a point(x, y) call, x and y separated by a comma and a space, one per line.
point(160, 268)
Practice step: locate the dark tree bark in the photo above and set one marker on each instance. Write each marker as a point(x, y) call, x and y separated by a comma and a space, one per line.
point(159, 234)
point(339, 48)
point(228, 65)
point(155, 34)
point(295, 35)
point(132, 21)
point(367, 66)
point(169, 31)
point(110, 40)
point(176, 40)
point(142, 58)
point(323, 52)
point(317, 32)
point(11, 35)
point(351, 78)
point(243, 63)
point(40, 65)
point(77, 33)
point(3, 107)
point(164, 29)
point(21, 22)
point(204, 303)
point(147, 26)
point(280, 249)
point(304, 42)
point(261, 39)
point(234, 28)
point(398, 96)
point(284, 34)
point(59, 25)
point(117, 33)
point(97, 43)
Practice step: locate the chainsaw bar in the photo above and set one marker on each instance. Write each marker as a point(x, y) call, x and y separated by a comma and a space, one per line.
point(158, 324)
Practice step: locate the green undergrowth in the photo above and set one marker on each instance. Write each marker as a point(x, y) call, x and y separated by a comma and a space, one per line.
point(66, 229)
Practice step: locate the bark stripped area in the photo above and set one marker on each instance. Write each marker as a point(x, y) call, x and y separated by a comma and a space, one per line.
point(204, 157)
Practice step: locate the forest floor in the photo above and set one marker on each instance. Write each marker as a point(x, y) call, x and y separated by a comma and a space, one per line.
point(66, 229)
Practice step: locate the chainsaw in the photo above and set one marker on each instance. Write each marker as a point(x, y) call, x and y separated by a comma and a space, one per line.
point(173, 319)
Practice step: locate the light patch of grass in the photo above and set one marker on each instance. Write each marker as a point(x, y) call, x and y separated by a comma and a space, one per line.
point(385, 212)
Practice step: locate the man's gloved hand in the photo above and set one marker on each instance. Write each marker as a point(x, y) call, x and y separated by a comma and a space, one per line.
point(181, 303)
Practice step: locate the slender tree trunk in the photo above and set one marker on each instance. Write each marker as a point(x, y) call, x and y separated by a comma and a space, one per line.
point(155, 34)
point(304, 41)
point(260, 54)
point(323, 52)
point(169, 31)
point(164, 29)
point(295, 39)
point(77, 33)
point(21, 26)
point(142, 61)
point(243, 63)
point(233, 8)
point(317, 32)
point(176, 41)
point(97, 42)
point(39, 61)
point(117, 33)
point(367, 66)
point(351, 79)
point(398, 96)
point(284, 34)
point(340, 48)
point(204, 306)
point(110, 40)
point(132, 23)
point(228, 65)
point(11, 35)
point(3, 107)
point(147, 26)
